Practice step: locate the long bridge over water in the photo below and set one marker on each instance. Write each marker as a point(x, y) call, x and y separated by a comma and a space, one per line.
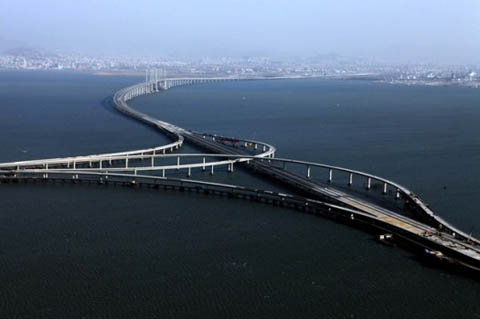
point(427, 232)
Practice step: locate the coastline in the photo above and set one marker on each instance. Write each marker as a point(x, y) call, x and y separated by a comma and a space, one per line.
point(367, 77)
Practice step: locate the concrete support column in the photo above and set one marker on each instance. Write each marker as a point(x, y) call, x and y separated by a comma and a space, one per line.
point(384, 188)
point(308, 172)
point(397, 195)
point(189, 171)
point(369, 183)
point(178, 163)
point(126, 162)
point(350, 179)
point(211, 172)
point(330, 175)
point(100, 164)
point(163, 172)
point(203, 167)
point(153, 161)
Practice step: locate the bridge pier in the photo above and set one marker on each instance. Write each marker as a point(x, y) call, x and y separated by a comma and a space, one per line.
point(189, 172)
point(308, 172)
point(203, 167)
point(330, 175)
point(211, 172)
point(178, 163)
point(369, 183)
point(350, 179)
point(384, 188)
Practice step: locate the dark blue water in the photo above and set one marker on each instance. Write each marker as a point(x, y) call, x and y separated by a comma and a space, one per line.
point(57, 114)
point(82, 251)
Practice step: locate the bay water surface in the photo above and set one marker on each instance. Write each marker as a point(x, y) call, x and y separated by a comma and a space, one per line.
point(88, 251)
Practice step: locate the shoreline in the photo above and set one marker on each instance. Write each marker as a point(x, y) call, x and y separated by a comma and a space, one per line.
point(373, 78)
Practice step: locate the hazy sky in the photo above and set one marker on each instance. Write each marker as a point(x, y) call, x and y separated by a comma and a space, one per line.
point(436, 30)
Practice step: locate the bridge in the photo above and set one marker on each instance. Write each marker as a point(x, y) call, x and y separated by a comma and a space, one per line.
point(427, 233)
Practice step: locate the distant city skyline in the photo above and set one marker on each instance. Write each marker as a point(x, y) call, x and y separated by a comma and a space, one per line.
point(400, 31)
